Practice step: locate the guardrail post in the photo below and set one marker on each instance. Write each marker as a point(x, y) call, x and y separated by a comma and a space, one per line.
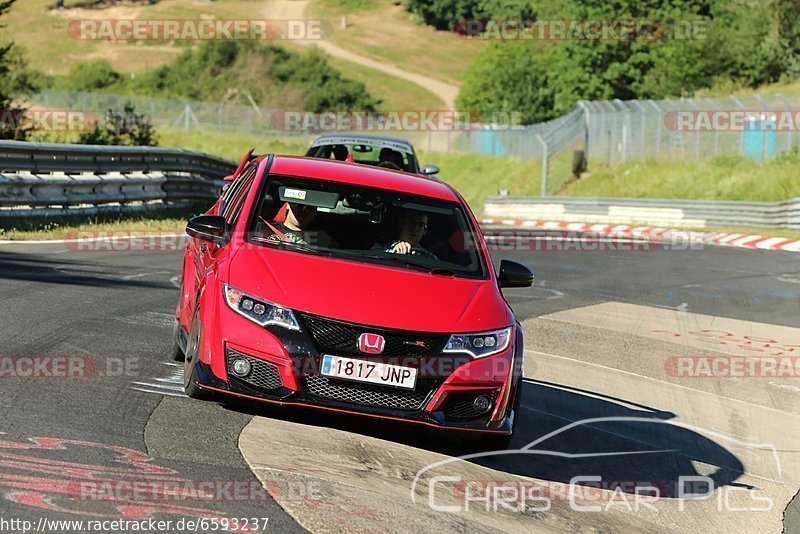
point(544, 165)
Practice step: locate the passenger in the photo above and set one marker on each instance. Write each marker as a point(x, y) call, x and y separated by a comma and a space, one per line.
point(386, 159)
point(339, 152)
point(299, 227)
point(412, 225)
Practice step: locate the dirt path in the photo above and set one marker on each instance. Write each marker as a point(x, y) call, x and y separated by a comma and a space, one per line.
point(295, 9)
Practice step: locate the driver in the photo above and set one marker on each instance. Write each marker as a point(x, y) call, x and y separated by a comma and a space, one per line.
point(387, 159)
point(298, 227)
point(413, 225)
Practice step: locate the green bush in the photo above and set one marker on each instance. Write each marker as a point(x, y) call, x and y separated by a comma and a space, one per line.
point(265, 71)
point(91, 76)
point(126, 128)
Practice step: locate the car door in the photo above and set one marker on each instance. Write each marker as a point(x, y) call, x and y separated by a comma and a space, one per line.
point(205, 255)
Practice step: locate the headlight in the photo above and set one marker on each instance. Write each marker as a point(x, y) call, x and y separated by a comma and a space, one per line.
point(480, 345)
point(259, 311)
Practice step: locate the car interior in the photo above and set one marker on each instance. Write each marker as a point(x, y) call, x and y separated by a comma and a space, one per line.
point(367, 155)
point(358, 218)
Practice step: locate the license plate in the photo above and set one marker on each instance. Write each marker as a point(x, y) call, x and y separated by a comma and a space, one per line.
point(365, 371)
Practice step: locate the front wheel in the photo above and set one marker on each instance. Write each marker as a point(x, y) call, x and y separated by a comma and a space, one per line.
point(190, 361)
point(177, 352)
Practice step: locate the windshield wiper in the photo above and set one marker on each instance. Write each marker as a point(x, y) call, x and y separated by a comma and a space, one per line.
point(388, 257)
point(292, 245)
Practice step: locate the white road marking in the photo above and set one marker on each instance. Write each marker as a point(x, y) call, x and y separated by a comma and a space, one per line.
point(171, 385)
point(150, 319)
point(142, 275)
point(168, 393)
point(785, 386)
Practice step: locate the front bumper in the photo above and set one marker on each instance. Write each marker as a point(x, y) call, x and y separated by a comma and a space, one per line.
point(285, 372)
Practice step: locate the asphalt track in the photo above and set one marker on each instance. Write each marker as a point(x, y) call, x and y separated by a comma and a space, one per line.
point(601, 330)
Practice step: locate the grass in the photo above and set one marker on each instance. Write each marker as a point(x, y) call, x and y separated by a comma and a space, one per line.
point(384, 30)
point(42, 228)
point(232, 146)
point(395, 93)
point(43, 32)
point(476, 177)
point(722, 178)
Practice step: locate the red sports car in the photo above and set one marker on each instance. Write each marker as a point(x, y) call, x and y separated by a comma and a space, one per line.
point(350, 288)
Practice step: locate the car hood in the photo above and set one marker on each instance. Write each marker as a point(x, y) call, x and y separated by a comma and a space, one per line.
point(369, 294)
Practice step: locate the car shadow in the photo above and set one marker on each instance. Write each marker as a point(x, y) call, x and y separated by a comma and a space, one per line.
point(566, 432)
point(569, 433)
point(36, 268)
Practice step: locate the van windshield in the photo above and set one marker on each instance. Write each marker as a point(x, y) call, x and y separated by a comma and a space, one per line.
point(366, 224)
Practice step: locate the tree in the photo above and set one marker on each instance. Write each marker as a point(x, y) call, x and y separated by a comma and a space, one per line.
point(509, 79)
point(126, 128)
point(13, 81)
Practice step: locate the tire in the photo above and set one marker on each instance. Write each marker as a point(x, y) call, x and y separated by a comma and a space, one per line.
point(190, 378)
point(177, 352)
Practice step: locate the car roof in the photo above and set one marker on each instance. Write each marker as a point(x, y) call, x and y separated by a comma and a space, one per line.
point(364, 139)
point(363, 175)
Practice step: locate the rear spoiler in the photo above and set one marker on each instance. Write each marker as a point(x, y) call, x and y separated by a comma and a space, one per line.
point(245, 160)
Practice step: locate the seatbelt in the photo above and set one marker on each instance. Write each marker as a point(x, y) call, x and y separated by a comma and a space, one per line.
point(283, 237)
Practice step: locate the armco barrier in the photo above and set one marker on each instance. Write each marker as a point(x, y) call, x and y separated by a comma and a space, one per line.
point(646, 211)
point(49, 179)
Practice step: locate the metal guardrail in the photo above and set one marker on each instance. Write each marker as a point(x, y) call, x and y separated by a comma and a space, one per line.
point(648, 211)
point(47, 179)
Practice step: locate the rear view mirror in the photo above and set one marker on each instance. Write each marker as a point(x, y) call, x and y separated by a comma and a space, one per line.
point(212, 228)
point(513, 274)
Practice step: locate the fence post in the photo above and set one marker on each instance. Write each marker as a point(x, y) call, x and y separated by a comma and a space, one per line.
point(789, 131)
point(741, 134)
point(659, 120)
point(544, 165)
point(586, 125)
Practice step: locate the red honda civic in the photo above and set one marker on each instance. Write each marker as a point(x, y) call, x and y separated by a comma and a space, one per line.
point(350, 288)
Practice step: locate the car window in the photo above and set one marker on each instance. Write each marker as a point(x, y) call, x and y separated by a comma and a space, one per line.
point(236, 193)
point(365, 154)
point(367, 224)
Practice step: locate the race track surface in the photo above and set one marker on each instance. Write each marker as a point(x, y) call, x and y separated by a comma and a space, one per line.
point(638, 346)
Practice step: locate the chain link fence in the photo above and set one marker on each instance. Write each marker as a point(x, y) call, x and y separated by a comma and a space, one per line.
point(599, 132)
point(755, 127)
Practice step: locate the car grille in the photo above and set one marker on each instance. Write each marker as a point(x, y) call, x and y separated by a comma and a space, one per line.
point(265, 375)
point(340, 338)
point(460, 407)
point(367, 394)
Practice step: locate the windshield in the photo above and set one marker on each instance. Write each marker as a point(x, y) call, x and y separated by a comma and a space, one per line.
point(365, 224)
point(367, 154)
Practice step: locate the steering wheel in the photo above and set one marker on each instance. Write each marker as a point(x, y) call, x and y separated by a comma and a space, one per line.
point(389, 165)
point(421, 251)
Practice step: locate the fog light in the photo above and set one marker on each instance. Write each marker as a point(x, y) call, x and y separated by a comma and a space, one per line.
point(482, 404)
point(241, 368)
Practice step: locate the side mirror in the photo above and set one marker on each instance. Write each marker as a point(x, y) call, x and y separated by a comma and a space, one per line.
point(513, 274)
point(430, 169)
point(212, 228)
